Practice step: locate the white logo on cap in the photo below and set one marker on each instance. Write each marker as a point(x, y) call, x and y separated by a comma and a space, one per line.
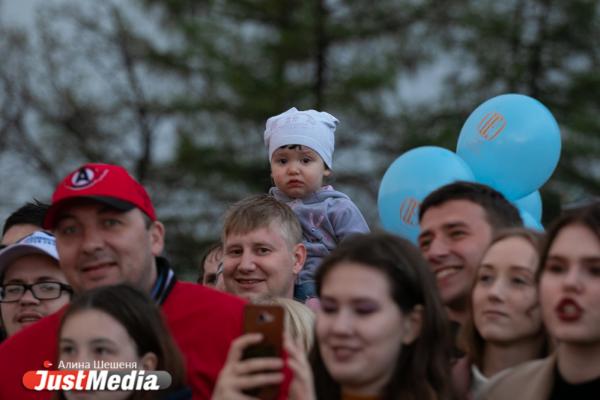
point(39, 239)
point(85, 177)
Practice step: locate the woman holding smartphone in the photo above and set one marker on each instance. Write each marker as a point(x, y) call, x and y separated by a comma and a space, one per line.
point(569, 287)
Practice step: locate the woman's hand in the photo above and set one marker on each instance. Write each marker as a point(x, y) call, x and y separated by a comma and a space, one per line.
point(238, 375)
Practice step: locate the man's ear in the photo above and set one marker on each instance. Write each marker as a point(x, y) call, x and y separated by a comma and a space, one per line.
point(157, 237)
point(298, 257)
point(327, 172)
point(412, 325)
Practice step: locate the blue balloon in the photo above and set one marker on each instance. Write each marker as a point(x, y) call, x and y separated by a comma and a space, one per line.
point(530, 222)
point(409, 179)
point(532, 204)
point(512, 143)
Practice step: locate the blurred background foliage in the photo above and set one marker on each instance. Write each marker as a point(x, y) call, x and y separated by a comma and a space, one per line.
point(178, 91)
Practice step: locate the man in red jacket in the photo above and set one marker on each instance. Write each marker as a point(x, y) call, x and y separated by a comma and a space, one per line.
point(107, 233)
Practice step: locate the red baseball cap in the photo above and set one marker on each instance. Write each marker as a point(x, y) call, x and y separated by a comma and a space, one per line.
point(109, 184)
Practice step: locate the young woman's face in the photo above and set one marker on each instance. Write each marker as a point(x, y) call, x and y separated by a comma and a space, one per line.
point(93, 335)
point(570, 286)
point(505, 300)
point(360, 329)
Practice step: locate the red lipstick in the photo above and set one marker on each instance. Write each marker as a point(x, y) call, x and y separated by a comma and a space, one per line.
point(568, 310)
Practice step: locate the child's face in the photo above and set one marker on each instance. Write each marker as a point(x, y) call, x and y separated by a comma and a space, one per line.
point(93, 335)
point(298, 171)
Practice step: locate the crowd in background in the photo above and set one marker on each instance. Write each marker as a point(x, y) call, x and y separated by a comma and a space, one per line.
point(480, 308)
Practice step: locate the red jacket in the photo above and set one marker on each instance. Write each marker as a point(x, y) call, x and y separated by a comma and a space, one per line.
point(202, 321)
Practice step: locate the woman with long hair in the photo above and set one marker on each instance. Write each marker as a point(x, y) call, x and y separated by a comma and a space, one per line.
point(382, 332)
point(505, 326)
point(569, 287)
point(114, 325)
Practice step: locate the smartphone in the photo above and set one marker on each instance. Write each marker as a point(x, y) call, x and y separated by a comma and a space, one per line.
point(267, 320)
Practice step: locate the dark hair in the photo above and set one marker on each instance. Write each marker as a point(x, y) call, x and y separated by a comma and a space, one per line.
point(422, 369)
point(205, 253)
point(30, 213)
point(138, 314)
point(500, 212)
point(471, 341)
point(300, 147)
point(588, 216)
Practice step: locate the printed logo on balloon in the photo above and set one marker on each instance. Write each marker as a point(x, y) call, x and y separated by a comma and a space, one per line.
point(512, 143)
point(410, 178)
point(491, 125)
point(409, 211)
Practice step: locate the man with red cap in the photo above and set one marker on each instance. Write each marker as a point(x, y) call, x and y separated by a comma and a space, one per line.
point(107, 233)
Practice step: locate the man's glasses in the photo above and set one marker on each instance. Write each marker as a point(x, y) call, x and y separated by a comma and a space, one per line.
point(13, 292)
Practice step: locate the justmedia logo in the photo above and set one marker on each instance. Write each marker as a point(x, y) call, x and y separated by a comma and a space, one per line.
point(93, 380)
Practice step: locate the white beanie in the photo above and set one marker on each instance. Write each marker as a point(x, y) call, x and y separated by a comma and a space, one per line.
point(309, 128)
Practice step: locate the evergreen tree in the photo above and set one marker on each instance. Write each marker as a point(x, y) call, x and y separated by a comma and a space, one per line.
point(178, 91)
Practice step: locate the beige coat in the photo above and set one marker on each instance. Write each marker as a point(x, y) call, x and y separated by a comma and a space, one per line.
point(530, 381)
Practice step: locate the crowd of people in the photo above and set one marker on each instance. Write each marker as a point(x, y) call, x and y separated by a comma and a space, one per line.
point(480, 308)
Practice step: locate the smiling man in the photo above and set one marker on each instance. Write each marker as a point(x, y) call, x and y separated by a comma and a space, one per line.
point(263, 250)
point(107, 233)
point(457, 224)
point(33, 286)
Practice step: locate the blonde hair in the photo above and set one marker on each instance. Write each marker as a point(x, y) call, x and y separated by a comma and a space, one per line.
point(259, 211)
point(299, 320)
